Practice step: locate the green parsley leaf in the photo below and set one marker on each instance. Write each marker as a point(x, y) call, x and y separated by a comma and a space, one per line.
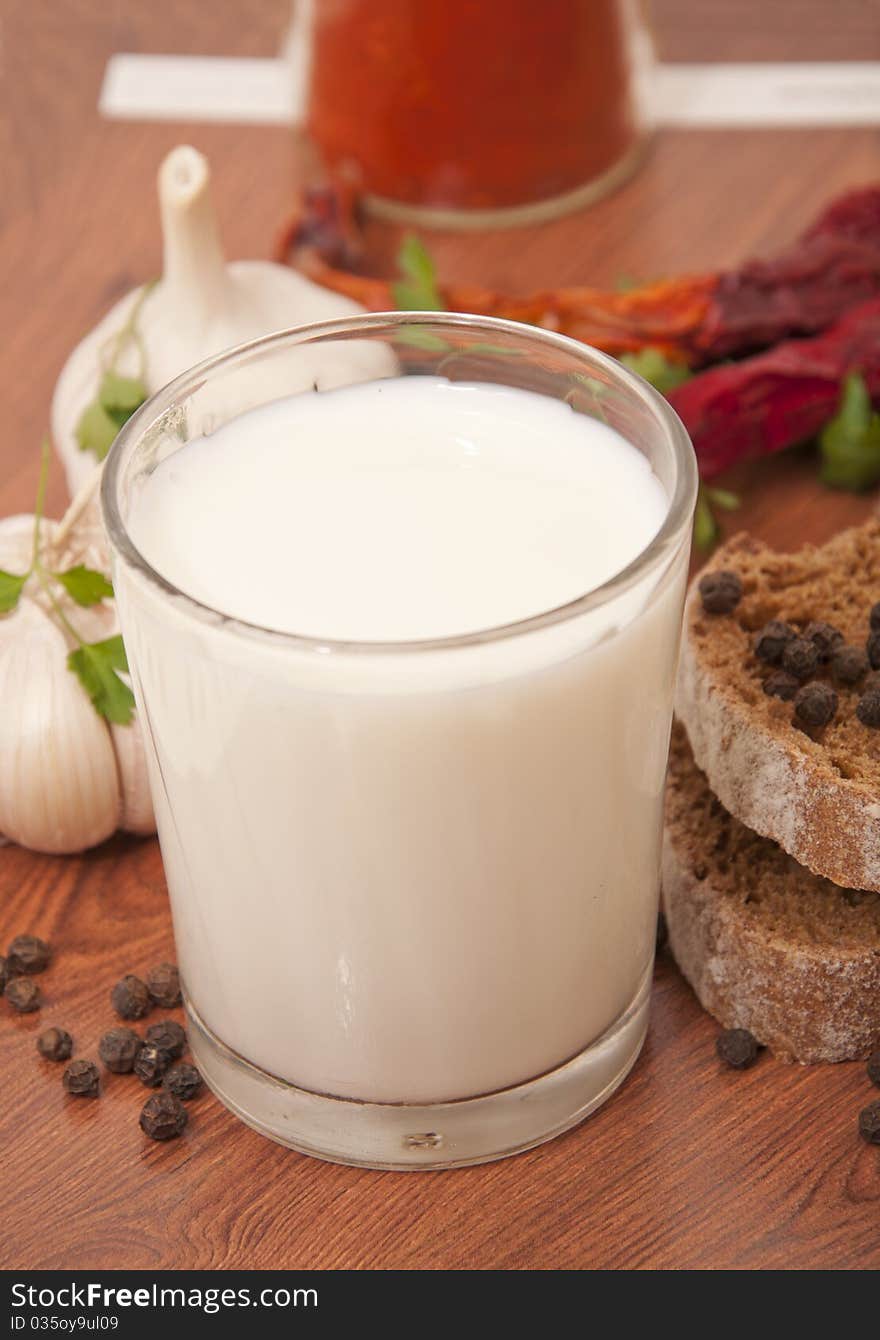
point(705, 525)
point(656, 368)
point(421, 339)
point(11, 587)
point(706, 530)
point(723, 498)
point(850, 442)
point(84, 585)
point(96, 430)
point(416, 291)
point(96, 666)
point(121, 395)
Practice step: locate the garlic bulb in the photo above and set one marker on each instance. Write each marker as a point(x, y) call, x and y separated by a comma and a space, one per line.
point(69, 777)
point(200, 306)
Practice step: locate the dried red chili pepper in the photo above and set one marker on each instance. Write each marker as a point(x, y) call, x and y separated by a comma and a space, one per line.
point(695, 319)
point(783, 396)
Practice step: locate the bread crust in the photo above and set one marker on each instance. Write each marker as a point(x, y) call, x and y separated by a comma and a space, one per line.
point(768, 774)
point(750, 966)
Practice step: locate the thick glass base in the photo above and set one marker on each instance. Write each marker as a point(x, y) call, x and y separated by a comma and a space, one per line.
point(510, 216)
point(406, 1136)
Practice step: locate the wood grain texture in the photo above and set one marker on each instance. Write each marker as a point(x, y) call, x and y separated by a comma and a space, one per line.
point(688, 1165)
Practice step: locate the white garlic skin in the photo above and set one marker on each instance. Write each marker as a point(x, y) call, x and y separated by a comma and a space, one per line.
point(201, 306)
point(68, 779)
point(59, 787)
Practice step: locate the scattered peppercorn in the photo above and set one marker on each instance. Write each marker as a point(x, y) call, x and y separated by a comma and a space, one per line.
point(737, 1047)
point(23, 994)
point(825, 638)
point(183, 1080)
point(55, 1044)
point(780, 684)
point(27, 954)
point(4, 974)
point(874, 617)
point(872, 647)
point(81, 1079)
point(130, 998)
point(150, 1065)
point(869, 1123)
point(873, 1068)
point(800, 658)
point(848, 666)
point(868, 708)
point(163, 984)
point(168, 1036)
point(163, 1117)
point(772, 640)
point(118, 1049)
point(720, 592)
point(815, 704)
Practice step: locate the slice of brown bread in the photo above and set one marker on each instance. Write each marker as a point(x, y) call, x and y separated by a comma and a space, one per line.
point(766, 945)
point(816, 793)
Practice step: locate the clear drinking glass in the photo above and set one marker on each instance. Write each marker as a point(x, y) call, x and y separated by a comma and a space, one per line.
point(414, 885)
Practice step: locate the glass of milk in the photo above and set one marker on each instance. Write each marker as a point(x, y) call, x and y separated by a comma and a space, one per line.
point(401, 596)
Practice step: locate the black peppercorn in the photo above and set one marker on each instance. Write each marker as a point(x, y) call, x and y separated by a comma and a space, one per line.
point(81, 1079)
point(130, 998)
point(27, 954)
point(872, 647)
point(163, 1117)
point(772, 640)
point(168, 1036)
point(815, 704)
point(848, 666)
point(118, 1049)
point(23, 994)
point(869, 1123)
point(150, 1065)
point(163, 984)
point(825, 638)
point(873, 1068)
point(874, 618)
point(737, 1047)
point(55, 1044)
point(800, 658)
point(183, 1080)
point(868, 708)
point(780, 684)
point(720, 592)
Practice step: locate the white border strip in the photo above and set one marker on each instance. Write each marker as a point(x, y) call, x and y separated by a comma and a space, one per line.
point(269, 92)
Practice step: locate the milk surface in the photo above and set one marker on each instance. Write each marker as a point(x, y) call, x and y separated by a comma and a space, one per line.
point(405, 875)
point(400, 509)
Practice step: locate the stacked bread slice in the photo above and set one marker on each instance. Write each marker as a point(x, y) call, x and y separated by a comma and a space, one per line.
point(771, 862)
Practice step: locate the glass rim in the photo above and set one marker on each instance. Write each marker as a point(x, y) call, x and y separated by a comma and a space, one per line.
point(661, 547)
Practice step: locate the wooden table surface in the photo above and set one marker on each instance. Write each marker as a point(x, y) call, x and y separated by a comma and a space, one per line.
point(688, 1165)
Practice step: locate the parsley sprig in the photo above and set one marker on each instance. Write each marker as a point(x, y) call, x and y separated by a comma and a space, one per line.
point(416, 290)
point(850, 442)
point(118, 396)
point(97, 665)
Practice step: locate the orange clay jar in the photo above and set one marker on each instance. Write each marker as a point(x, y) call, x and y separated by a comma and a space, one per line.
point(451, 110)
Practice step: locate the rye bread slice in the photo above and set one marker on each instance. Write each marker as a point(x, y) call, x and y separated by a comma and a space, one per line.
point(766, 945)
point(816, 793)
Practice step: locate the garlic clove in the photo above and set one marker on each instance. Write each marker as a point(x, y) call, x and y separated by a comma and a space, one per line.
point(136, 812)
point(201, 306)
point(59, 789)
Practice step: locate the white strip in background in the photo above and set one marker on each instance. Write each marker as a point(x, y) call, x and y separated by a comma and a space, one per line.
point(269, 92)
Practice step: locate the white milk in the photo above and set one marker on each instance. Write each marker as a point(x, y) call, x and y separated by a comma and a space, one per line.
point(406, 874)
